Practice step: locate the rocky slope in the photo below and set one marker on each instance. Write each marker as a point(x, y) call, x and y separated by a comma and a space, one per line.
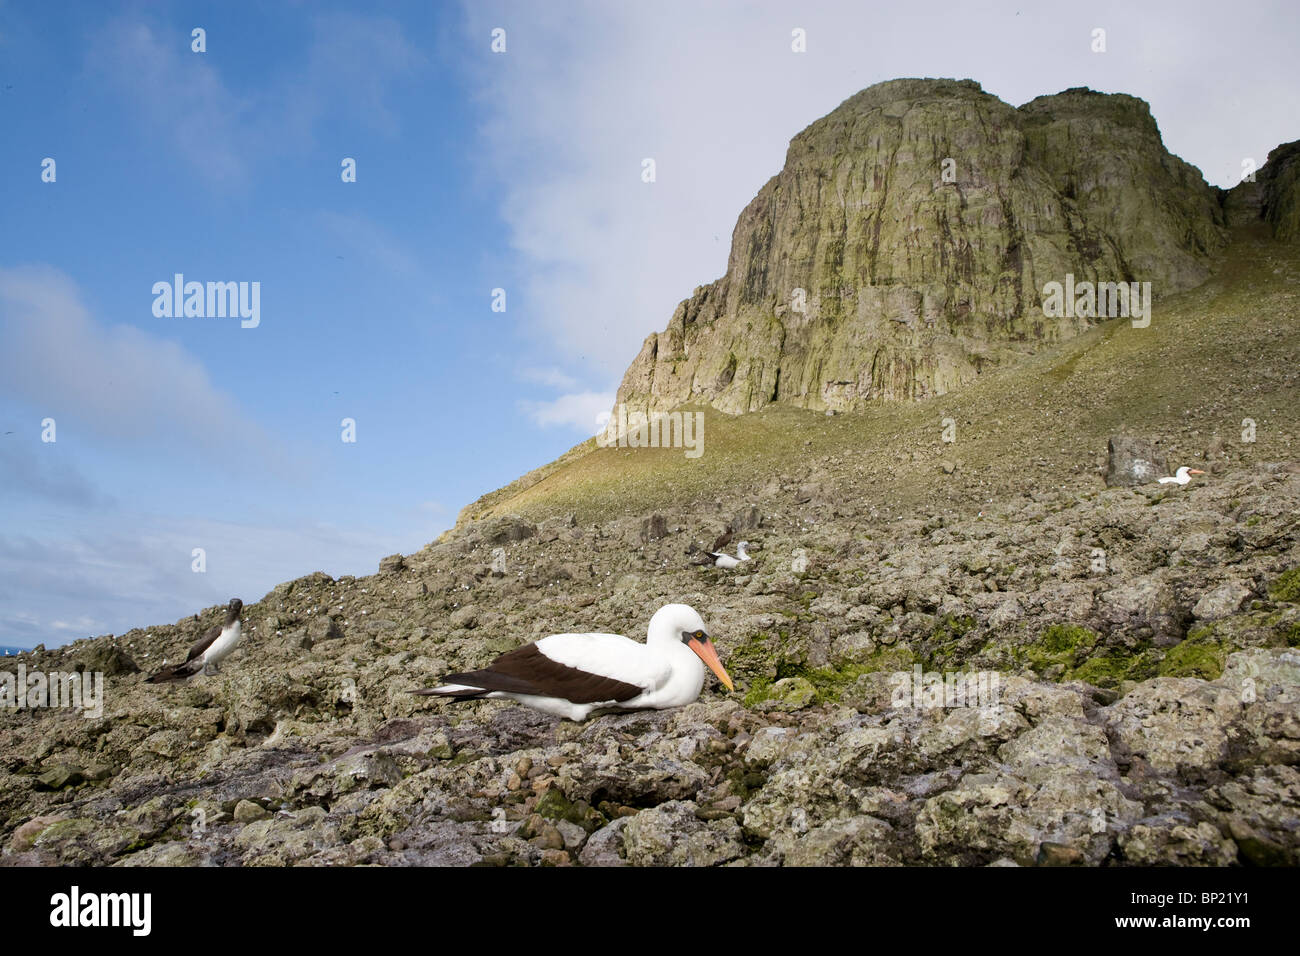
point(863, 272)
point(1145, 709)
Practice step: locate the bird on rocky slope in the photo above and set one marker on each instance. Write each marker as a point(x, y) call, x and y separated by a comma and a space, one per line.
point(572, 675)
point(212, 648)
point(726, 561)
point(1182, 476)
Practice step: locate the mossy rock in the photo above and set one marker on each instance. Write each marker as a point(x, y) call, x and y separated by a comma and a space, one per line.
point(1201, 654)
point(791, 694)
point(1061, 647)
point(1112, 669)
point(1286, 587)
point(554, 805)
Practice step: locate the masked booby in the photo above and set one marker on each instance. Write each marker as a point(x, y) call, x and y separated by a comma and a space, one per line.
point(572, 675)
point(1182, 476)
point(721, 560)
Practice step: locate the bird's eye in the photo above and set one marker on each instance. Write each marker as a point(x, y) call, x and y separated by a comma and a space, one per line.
point(699, 635)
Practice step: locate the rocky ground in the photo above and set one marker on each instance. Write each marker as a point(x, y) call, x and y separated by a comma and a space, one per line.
point(1145, 645)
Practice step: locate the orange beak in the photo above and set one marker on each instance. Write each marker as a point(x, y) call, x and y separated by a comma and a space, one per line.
point(709, 654)
point(1195, 471)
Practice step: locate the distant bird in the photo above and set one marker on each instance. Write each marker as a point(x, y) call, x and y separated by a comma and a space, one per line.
point(726, 561)
point(1182, 476)
point(571, 675)
point(214, 647)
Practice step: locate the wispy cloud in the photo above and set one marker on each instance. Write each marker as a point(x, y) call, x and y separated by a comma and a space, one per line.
point(352, 61)
point(178, 95)
point(123, 384)
point(185, 103)
point(577, 410)
point(32, 469)
point(549, 376)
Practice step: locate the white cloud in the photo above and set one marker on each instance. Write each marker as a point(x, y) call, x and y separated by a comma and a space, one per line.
point(577, 410)
point(178, 94)
point(348, 67)
point(549, 376)
point(713, 93)
point(125, 384)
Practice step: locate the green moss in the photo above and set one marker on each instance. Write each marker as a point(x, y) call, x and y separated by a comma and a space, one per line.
point(1201, 654)
point(1286, 587)
point(1066, 638)
point(555, 805)
point(944, 647)
point(758, 691)
point(1060, 645)
point(830, 682)
point(1112, 668)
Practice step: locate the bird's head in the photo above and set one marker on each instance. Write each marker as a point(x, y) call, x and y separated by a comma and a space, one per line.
point(234, 607)
point(680, 623)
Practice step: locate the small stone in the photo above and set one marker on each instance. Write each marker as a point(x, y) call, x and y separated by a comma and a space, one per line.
point(548, 837)
point(1058, 854)
point(790, 694)
point(246, 811)
point(59, 777)
point(25, 835)
point(1224, 600)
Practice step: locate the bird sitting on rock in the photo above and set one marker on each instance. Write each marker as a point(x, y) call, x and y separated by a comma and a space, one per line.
point(212, 648)
point(726, 561)
point(1182, 476)
point(572, 675)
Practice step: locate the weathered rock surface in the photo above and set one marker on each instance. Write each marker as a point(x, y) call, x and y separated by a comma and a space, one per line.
point(1133, 461)
point(1273, 198)
point(1146, 706)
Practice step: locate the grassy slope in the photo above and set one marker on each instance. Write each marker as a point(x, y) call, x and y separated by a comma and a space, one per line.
point(1211, 357)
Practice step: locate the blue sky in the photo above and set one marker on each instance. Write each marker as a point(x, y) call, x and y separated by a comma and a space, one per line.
point(475, 170)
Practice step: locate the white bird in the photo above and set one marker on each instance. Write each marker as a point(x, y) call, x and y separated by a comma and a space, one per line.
point(210, 650)
point(721, 560)
point(571, 675)
point(1182, 476)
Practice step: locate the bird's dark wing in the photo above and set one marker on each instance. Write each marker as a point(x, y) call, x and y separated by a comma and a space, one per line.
point(210, 635)
point(527, 670)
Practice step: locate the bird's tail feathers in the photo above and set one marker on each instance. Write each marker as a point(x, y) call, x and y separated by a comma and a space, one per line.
point(454, 691)
point(179, 672)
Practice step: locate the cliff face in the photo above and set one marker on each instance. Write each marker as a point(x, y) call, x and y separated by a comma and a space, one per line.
point(906, 243)
point(1273, 199)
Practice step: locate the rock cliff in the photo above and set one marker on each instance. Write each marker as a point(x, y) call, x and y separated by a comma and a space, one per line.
point(906, 243)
